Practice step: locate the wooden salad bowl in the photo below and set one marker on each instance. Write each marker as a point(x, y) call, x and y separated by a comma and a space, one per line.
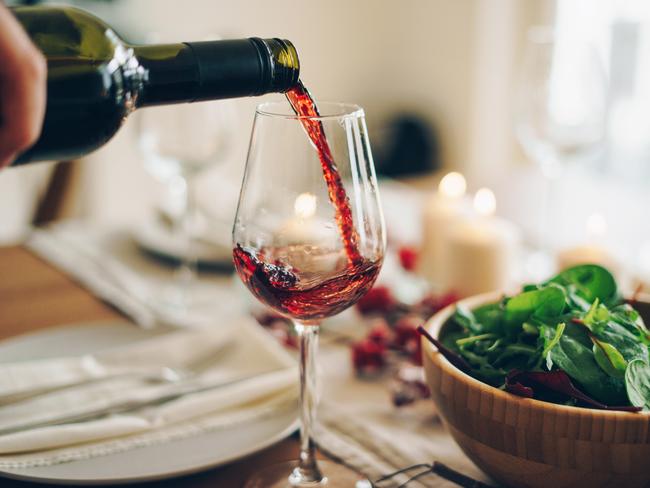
point(529, 443)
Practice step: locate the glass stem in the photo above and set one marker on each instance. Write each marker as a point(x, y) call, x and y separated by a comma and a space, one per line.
point(185, 272)
point(307, 472)
point(187, 267)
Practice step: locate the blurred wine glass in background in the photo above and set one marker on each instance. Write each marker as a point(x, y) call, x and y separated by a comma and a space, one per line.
point(559, 114)
point(178, 142)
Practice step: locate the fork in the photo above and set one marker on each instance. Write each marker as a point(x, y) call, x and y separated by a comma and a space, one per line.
point(155, 374)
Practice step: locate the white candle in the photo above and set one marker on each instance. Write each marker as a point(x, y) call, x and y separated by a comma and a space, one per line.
point(591, 252)
point(442, 210)
point(304, 227)
point(480, 254)
point(309, 242)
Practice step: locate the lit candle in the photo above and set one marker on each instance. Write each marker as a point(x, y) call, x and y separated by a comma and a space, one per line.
point(480, 253)
point(303, 227)
point(308, 241)
point(591, 252)
point(442, 210)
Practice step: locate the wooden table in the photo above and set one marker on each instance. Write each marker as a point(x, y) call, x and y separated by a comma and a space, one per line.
point(35, 295)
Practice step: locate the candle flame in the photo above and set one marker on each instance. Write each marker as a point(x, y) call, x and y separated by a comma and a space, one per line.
point(452, 185)
point(305, 205)
point(596, 225)
point(485, 203)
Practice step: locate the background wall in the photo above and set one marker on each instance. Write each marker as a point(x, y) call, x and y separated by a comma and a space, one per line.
point(450, 61)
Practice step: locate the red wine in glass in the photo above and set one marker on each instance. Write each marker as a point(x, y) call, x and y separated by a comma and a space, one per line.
point(305, 296)
point(288, 290)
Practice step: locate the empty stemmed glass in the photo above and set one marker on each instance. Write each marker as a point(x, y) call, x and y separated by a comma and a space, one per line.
point(289, 249)
point(178, 142)
point(560, 109)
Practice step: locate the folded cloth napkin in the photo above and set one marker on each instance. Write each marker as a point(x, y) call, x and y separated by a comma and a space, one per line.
point(111, 266)
point(251, 376)
point(186, 351)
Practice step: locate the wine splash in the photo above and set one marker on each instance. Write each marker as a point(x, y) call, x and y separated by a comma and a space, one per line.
point(292, 292)
point(303, 104)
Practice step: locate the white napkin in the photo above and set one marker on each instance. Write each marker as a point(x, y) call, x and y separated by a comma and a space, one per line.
point(252, 375)
point(182, 350)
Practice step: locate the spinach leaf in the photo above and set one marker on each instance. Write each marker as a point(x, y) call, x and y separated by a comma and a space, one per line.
point(609, 359)
point(596, 317)
point(629, 318)
point(574, 354)
point(490, 316)
point(624, 340)
point(637, 383)
point(545, 302)
point(466, 319)
point(590, 281)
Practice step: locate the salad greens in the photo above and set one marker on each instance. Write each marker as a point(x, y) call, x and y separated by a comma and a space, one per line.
point(571, 339)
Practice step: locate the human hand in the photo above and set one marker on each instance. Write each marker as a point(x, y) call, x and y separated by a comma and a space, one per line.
point(23, 75)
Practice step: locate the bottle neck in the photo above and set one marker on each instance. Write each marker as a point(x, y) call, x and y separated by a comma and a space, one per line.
point(195, 71)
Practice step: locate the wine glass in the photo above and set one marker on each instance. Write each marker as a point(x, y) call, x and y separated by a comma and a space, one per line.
point(290, 241)
point(178, 142)
point(560, 109)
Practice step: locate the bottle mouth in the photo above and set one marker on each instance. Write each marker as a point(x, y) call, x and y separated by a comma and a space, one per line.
point(327, 110)
point(284, 69)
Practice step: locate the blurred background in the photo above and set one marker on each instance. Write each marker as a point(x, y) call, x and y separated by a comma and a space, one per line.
point(447, 85)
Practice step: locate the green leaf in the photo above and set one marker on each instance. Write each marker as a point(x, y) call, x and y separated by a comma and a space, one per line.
point(545, 302)
point(529, 328)
point(609, 359)
point(630, 319)
point(596, 317)
point(466, 319)
point(574, 354)
point(591, 282)
point(550, 344)
point(490, 317)
point(637, 383)
point(471, 339)
point(626, 341)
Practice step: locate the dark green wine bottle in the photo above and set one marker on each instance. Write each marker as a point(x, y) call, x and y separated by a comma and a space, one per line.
point(95, 79)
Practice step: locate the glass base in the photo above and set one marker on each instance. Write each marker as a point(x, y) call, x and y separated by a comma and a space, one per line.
point(335, 476)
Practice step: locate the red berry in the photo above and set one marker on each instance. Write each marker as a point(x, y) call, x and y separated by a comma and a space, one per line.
point(378, 300)
point(368, 357)
point(408, 257)
point(380, 333)
point(407, 338)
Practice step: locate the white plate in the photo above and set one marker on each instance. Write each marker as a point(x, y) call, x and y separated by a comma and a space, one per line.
point(166, 460)
point(159, 240)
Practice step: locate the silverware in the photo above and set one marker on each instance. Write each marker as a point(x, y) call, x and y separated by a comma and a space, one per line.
point(155, 374)
point(436, 467)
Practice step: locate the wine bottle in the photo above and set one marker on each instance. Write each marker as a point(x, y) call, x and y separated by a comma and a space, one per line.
point(95, 79)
